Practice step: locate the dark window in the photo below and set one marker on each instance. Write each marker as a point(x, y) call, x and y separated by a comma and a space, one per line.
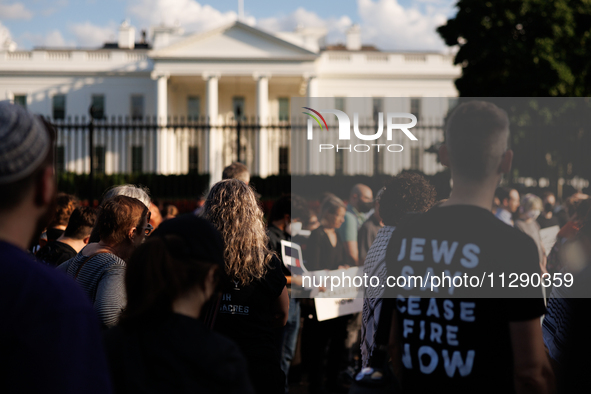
point(99, 160)
point(339, 163)
point(238, 107)
point(283, 108)
point(415, 107)
point(339, 103)
point(193, 107)
point(193, 159)
point(98, 106)
point(377, 161)
point(137, 107)
point(415, 158)
point(137, 158)
point(59, 106)
point(377, 107)
point(283, 160)
point(21, 99)
point(60, 159)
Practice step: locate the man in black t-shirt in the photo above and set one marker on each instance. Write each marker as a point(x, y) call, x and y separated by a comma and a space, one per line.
point(74, 238)
point(453, 342)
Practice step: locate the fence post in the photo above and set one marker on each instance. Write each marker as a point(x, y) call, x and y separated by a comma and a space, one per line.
point(93, 113)
point(91, 155)
point(238, 130)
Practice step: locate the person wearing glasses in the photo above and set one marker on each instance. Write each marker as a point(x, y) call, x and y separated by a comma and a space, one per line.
point(99, 268)
point(163, 343)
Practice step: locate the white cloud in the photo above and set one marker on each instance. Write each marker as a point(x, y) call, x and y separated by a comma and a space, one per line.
point(14, 11)
point(384, 23)
point(335, 27)
point(190, 14)
point(55, 7)
point(51, 39)
point(55, 39)
point(87, 34)
point(388, 25)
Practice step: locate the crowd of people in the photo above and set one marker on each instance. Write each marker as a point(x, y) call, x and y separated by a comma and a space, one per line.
point(132, 298)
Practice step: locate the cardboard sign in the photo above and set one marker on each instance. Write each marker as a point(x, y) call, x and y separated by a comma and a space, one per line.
point(340, 301)
point(548, 236)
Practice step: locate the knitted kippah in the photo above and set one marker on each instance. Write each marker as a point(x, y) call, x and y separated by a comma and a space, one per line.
point(24, 143)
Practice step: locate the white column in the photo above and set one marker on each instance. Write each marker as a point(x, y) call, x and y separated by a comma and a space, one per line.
point(262, 139)
point(313, 164)
point(213, 142)
point(162, 98)
point(312, 90)
point(161, 112)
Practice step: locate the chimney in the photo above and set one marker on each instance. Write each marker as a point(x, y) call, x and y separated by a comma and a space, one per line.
point(165, 35)
point(126, 35)
point(354, 38)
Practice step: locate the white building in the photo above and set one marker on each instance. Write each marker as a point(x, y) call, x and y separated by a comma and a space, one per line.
point(211, 75)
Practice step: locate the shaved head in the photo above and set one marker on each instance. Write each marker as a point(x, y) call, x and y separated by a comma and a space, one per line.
point(360, 189)
point(476, 136)
point(361, 197)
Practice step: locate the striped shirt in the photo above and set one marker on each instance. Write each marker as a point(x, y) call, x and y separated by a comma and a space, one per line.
point(102, 279)
point(375, 265)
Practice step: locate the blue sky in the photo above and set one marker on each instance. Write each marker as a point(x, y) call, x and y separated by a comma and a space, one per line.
point(388, 24)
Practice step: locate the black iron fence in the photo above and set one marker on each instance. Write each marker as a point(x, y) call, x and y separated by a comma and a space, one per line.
point(177, 146)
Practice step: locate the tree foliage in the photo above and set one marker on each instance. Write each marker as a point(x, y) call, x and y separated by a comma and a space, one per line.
point(531, 49)
point(522, 48)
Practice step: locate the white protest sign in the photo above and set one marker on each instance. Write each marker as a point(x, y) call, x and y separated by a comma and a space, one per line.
point(340, 299)
point(548, 236)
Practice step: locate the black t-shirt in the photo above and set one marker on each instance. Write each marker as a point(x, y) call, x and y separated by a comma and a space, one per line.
point(54, 253)
point(321, 255)
point(246, 312)
point(53, 234)
point(276, 235)
point(459, 344)
point(545, 223)
point(175, 355)
point(366, 235)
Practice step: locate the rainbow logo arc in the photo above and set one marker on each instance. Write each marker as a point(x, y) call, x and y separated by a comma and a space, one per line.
point(315, 118)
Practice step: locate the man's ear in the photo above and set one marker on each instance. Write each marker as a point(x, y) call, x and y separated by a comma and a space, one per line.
point(443, 155)
point(86, 240)
point(506, 162)
point(45, 187)
point(132, 232)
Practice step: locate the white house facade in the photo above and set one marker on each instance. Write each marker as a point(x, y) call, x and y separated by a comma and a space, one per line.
point(200, 84)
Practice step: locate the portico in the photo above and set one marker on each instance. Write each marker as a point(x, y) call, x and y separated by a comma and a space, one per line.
point(234, 73)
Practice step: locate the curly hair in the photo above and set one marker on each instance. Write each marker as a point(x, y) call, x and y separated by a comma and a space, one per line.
point(66, 203)
point(407, 192)
point(232, 208)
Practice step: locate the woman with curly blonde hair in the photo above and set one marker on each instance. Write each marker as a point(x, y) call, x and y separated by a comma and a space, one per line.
point(255, 300)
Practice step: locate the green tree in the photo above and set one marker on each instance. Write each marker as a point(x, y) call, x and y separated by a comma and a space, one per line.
point(531, 48)
point(522, 48)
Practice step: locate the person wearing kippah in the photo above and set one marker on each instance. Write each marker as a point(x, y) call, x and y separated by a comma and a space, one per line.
point(49, 337)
